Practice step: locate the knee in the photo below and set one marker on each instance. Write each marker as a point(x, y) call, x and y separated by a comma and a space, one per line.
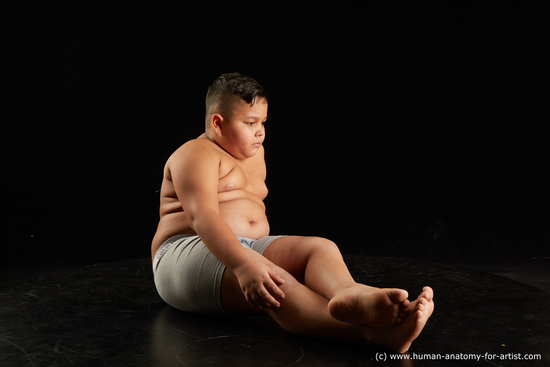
point(323, 245)
point(290, 281)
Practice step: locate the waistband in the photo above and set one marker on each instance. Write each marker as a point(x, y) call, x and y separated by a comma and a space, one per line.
point(245, 241)
point(162, 249)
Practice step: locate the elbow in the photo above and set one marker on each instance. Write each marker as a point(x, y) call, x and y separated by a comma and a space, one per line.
point(191, 219)
point(197, 219)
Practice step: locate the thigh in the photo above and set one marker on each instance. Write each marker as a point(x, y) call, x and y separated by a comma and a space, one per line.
point(292, 253)
point(188, 276)
point(288, 255)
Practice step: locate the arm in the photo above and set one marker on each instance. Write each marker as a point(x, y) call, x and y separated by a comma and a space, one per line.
point(194, 173)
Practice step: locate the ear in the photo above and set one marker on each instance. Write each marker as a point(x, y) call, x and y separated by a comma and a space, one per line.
point(216, 123)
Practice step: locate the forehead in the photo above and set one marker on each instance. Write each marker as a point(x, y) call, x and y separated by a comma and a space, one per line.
point(243, 109)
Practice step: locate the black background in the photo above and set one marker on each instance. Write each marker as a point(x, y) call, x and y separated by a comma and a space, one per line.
point(395, 129)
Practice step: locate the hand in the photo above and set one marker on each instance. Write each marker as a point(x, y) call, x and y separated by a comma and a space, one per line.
point(259, 284)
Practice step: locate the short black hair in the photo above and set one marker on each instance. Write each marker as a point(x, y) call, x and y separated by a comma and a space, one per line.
point(247, 88)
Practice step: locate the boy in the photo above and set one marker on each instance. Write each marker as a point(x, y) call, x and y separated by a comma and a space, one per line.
point(212, 252)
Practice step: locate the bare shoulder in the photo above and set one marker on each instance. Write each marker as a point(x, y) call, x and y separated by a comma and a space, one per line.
point(196, 150)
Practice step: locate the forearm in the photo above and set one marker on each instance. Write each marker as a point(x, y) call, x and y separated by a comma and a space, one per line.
point(219, 238)
point(258, 281)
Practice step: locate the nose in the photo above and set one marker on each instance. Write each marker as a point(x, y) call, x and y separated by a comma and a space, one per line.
point(261, 130)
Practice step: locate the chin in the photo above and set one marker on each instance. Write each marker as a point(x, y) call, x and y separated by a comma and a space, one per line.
point(250, 155)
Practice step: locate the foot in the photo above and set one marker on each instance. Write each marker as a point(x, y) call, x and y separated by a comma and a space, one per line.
point(377, 307)
point(399, 337)
point(427, 293)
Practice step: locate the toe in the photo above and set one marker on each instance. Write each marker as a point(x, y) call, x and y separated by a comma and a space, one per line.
point(420, 306)
point(398, 295)
point(428, 293)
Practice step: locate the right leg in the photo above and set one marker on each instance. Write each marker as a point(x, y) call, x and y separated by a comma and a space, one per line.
point(305, 312)
point(302, 311)
point(318, 263)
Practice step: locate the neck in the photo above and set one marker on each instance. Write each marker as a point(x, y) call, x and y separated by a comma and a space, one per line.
point(211, 136)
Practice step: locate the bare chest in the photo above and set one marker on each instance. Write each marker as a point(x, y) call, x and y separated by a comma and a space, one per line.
point(245, 176)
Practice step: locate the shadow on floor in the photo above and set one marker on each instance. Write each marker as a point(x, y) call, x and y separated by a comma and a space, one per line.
point(110, 315)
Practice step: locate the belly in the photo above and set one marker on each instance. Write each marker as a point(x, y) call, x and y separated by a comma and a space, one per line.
point(245, 217)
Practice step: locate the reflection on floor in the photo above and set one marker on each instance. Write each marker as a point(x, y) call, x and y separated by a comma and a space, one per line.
point(110, 315)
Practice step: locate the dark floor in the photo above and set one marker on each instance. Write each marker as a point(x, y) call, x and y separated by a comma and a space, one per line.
point(110, 315)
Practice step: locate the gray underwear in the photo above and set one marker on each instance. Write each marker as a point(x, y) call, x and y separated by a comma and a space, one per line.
point(188, 276)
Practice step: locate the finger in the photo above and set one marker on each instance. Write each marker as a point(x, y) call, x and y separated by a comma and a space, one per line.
point(276, 277)
point(275, 290)
point(257, 299)
point(259, 304)
point(252, 302)
point(269, 299)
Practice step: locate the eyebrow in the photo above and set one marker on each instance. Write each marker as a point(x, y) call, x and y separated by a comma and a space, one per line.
point(255, 117)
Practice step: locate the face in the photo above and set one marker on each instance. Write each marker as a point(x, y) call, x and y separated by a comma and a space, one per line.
point(241, 130)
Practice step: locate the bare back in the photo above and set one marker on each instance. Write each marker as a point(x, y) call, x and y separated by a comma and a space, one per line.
point(241, 190)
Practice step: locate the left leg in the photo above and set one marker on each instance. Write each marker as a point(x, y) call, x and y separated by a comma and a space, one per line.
point(304, 312)
point(318, 263)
